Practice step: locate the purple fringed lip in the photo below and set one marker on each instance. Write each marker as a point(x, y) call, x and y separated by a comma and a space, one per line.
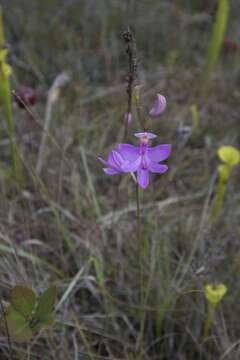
point(145, 135)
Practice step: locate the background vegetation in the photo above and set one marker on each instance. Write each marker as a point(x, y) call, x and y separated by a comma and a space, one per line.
point(72, 226)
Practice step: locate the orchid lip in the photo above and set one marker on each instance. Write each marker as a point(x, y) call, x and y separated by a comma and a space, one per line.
point(146, 134)
point(145, 137)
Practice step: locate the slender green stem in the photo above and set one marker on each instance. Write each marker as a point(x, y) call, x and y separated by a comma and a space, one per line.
point(141, 269)
point(139, 242)
point(138, 205)
point(139, 226)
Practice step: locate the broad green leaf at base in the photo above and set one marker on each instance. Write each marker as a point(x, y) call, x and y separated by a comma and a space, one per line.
point(18, 327)
point(23, 299)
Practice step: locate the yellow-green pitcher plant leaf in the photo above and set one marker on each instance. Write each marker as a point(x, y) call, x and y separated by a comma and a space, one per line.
point(2, 36)
point(3, 55)
point(215, 293)
point(6, 101)
point(224, 172)
point(229, 155)
point(219, 28)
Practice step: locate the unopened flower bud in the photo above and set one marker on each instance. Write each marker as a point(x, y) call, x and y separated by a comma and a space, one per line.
point(25, 95)
point(128, 118)
point(159, 106)
point(137, 92)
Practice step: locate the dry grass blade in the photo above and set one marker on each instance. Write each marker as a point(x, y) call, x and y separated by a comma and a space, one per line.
point(53, 94)
point(70, 288)
point(113, 217)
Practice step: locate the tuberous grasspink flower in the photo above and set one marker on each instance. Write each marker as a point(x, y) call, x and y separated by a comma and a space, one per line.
point(126, 158)
point(159, 106)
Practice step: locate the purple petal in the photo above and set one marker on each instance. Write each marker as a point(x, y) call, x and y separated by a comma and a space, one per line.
point(128, 152)
point(148, 135)
point(157, 168)
point(115, 160)
point(159, 106)
point(133, 166)
point(159, 152)
point(143, 178)
point(110, 171)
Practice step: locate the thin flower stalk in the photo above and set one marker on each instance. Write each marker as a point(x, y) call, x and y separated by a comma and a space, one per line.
point(131, 52)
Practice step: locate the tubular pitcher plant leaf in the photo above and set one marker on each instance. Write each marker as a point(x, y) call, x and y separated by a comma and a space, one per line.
point(219, 28)
point(2, 36)
point(6, 101)
point(195, 116)
point(230, 156)
point(214, 295)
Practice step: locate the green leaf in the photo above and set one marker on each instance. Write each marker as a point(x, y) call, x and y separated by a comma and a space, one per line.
point(23, 299)
point(18, 327)
point(45, 304)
